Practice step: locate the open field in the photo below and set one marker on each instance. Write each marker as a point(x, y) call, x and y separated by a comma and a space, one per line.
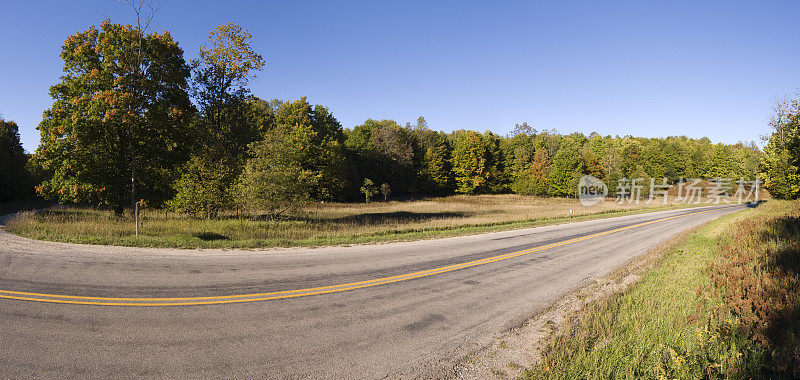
point(320, 224)
point(724, 302)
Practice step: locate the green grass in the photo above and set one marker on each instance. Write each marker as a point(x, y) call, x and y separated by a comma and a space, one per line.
point(319, 224)
point(678, 321)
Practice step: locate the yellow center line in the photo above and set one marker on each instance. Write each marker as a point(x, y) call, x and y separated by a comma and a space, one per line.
point(215, 300)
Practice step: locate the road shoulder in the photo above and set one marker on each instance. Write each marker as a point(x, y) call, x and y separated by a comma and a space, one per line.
point(513, 351)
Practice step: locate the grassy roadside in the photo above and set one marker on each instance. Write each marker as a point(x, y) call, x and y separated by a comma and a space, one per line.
point(723, 303)
point(329, 224)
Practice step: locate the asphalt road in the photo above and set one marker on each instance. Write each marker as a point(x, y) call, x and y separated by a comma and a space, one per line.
point(390, 310)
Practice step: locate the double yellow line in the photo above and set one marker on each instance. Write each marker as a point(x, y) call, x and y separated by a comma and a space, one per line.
point(215, 300)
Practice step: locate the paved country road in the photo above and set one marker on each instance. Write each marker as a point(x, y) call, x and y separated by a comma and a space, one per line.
point(409, 309)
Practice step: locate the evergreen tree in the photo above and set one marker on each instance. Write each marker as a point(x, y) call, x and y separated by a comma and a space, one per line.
point(14, 178)
point(498, 177)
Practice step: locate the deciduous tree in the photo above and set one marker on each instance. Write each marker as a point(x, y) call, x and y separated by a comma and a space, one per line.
point(119, 119)
point(368, 189)
point(275, 178)
point(226, 65)
point(386, 191)
point(323, 155)
point(470, 162)
point(228, 121)
point(386, 152)
point(566, 169)
point(533, 179)
point(781, 160)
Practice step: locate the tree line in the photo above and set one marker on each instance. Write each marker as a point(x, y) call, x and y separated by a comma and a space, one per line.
point(133, 121)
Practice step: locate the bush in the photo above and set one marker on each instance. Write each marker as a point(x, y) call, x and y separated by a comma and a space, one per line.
point(274, 179)
point(203, 189)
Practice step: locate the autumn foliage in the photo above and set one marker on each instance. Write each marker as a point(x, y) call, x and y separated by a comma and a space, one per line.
point(758, 273)
point(130, 118)
point(115, 116)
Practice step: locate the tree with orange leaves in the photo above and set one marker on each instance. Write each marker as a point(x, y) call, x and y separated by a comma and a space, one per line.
point(118, 123)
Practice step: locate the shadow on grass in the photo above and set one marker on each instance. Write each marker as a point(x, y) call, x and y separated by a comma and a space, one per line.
point(211, 236)
point(369, 218)
point(397, 216)
point(781, 316)
point(23, 205)
point(785, 229)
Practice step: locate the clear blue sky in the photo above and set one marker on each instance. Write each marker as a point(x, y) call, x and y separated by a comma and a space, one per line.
point(645, 68)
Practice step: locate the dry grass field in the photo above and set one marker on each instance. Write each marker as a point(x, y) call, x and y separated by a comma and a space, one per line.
point(319, 224)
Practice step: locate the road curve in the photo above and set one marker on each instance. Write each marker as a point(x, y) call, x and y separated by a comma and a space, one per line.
point(372, 311)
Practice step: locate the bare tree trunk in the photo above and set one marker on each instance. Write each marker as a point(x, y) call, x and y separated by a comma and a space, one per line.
point(143, 19)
